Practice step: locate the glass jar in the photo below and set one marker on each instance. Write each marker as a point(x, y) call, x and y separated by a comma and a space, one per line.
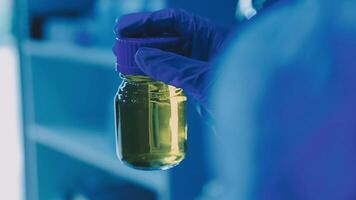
point(151, 127)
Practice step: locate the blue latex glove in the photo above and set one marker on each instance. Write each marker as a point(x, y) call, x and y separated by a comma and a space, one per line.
point(190, 74)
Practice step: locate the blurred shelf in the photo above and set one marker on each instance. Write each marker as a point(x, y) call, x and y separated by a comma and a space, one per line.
point(87, 56)
point(94, 148)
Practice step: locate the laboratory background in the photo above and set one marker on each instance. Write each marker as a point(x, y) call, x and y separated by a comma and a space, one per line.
point(58, 81)
point(280, 126)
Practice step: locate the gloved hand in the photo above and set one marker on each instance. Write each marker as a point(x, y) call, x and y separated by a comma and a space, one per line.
point(191, 74)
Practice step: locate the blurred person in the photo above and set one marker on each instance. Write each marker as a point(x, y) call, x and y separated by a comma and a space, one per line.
point(280, 90)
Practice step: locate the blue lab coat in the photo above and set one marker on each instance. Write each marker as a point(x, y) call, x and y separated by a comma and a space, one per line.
point(285, 105)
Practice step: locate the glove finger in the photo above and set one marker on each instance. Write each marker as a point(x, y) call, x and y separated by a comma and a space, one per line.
point(174, 69)
point(174, 21)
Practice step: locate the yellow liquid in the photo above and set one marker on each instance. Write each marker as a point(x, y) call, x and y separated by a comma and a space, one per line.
point(151, 125)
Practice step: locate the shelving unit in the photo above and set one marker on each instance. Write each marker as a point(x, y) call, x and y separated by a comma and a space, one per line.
point(53, 50)
point(61, 74)
point(57, 120)
point(91, 147)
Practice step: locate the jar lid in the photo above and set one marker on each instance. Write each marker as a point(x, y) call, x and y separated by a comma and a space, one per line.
point(126, 48)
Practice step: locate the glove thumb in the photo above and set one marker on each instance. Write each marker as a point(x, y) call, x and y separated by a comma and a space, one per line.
point(174, 69)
